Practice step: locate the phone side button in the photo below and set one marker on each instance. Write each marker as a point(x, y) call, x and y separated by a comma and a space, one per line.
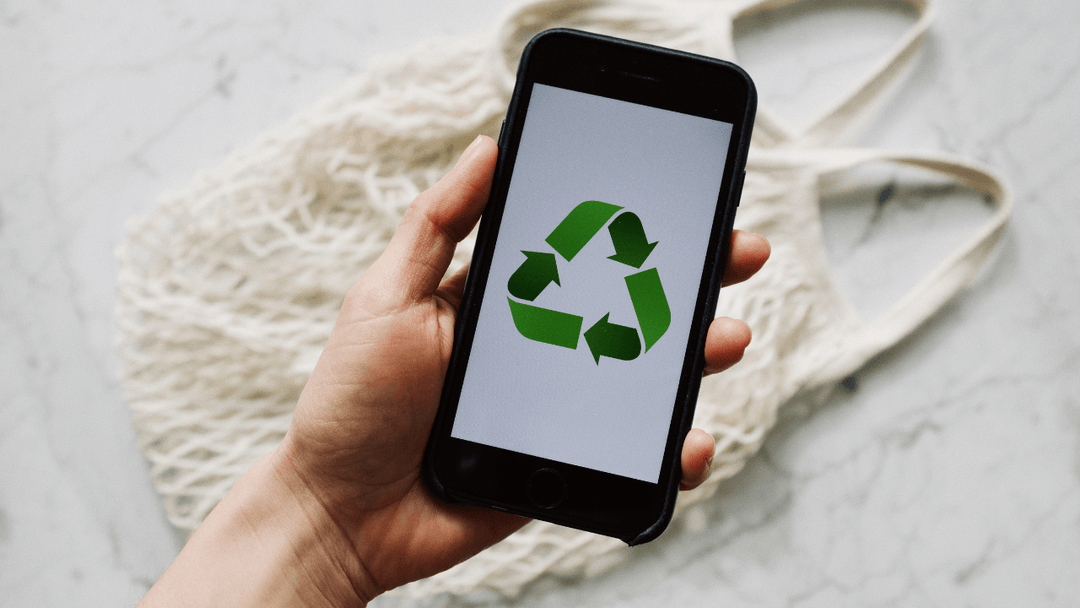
point(738, 191)
point(502, 128)
point(546, 488)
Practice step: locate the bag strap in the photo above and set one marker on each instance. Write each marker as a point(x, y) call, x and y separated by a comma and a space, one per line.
point(954, 273)
point(854, 108)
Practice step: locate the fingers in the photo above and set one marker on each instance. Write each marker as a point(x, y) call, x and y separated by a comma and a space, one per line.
point(725, 343)
point(724, 346)
point(697, 456)
point(749, 252)
point(420, 251)
point(728, 338)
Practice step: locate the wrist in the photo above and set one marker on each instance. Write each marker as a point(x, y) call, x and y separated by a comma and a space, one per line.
point(268, 543)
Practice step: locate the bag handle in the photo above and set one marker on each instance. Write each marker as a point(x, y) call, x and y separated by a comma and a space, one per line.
point(711, 26)
point(954, 273)
point(854, 108)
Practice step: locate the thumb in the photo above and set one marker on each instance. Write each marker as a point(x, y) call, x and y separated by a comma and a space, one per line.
point(421, 249)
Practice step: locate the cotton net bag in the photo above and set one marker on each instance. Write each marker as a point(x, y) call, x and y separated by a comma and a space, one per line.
point(229, 289)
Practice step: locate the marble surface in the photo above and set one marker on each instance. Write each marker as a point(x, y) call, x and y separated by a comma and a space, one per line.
point(946, 473)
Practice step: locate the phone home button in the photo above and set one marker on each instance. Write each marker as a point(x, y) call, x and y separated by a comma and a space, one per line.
point(546, 488)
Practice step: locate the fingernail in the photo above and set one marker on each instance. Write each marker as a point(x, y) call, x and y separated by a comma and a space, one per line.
point(471, 149)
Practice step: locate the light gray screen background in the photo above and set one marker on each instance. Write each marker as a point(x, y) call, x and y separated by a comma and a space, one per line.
point(555, 402)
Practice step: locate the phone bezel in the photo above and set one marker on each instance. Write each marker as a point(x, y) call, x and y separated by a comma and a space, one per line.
point(460, 470)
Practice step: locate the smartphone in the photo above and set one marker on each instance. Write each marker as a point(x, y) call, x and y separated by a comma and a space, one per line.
point(579, 344)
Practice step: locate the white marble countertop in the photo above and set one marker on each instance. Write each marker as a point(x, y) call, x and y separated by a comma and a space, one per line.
point(947, 474)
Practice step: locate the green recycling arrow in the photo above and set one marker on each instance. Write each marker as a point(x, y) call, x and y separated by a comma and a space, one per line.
point(533, 275)
point(547, 326)
point(611, 340)
point(605, 339)
point(650, 305)
point(628, 237)
point(580, 225)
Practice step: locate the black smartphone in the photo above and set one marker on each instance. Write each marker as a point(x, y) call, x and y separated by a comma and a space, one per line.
point(578, 349)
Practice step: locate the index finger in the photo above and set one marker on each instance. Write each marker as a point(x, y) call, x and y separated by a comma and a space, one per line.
point(749, 252)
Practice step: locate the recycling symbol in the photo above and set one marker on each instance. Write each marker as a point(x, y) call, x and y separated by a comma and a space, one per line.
point(605, 339)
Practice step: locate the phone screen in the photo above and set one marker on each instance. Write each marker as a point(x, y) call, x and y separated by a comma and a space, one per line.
point(582, 333)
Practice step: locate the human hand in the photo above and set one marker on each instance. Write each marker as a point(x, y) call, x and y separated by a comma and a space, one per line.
point(364, 418)
point(352, 517)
